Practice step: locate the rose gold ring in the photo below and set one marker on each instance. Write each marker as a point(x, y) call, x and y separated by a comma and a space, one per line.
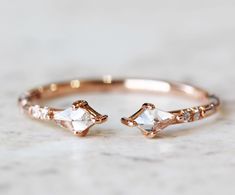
point(80, 117)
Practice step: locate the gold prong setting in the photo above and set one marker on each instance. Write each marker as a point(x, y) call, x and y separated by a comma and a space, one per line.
point(129, 122)
point(149, 120)
point(79, 118)
point(190, 115)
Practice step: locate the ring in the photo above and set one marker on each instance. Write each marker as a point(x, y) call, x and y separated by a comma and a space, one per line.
point(80, 117)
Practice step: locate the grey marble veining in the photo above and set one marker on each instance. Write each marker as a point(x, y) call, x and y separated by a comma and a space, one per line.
point(48, 40)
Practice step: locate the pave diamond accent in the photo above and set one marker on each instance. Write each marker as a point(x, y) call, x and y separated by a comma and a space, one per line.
point(77, 120)
point(40, 113)
point(196, 115)
point(152, 120)
point(186, 116)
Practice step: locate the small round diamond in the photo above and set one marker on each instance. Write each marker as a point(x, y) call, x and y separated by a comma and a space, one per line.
point(196, 115)
point(39, 113)
point(44, 113)
point(35, 111)
point(186, 116)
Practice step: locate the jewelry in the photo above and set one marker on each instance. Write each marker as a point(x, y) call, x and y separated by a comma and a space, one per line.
point(80, 117)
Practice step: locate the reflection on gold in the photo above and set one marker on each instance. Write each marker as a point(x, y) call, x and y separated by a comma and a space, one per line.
point(53, 87)
point(152, 85)
point(75, 83)
point(107, 79)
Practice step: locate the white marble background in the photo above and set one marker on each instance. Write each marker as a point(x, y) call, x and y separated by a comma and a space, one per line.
point(48, 40)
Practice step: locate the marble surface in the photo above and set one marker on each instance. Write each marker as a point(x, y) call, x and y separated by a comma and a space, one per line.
point(49, 40)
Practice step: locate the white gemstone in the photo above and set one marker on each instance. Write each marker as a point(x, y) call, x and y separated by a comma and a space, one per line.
point(44, 113)
point(76, 120)
point(35, 111)
point(186, 116)
point(39, 113)
point(150, 118)
point(196, 115)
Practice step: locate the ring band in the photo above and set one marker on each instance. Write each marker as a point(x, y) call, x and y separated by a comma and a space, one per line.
point(80, 117)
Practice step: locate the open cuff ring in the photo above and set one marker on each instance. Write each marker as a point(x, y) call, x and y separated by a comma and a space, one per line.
point(80, 117)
